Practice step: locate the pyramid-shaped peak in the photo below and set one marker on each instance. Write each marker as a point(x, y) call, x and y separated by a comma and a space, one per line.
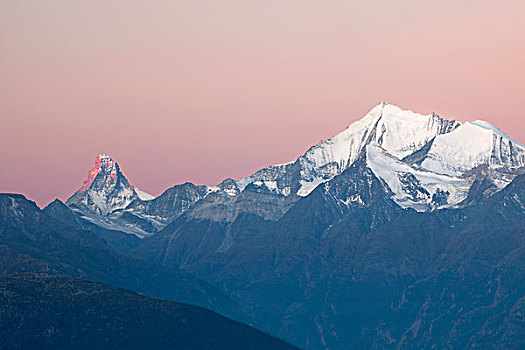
point(105, 189)
point(56, 202)
point(104, 165)
point(107, 164)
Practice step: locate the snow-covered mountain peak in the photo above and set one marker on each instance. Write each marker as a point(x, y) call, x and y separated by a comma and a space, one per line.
point(471, 145)
point(400, 132)
point(491, 127)
point(423, 159)
point(106, 161)
point(105, 189)
point(387, 110)
point(104, 165)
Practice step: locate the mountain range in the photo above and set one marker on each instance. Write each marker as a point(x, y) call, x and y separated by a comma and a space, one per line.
point(403, 231)
point(425, 162)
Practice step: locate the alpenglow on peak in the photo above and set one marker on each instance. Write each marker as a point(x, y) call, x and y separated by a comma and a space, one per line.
point(105, 165)
point(105, 190)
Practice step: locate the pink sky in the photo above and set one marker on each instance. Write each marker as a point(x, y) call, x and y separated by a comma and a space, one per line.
point(202, 90)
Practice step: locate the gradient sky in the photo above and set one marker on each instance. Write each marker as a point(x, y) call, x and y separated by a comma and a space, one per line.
point(202, 90)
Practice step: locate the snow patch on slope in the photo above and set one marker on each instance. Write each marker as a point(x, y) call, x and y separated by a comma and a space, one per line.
point(416, 188)
point(144, 195)
point(109, 224)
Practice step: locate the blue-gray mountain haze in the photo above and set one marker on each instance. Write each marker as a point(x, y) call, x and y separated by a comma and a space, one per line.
point(403, 231)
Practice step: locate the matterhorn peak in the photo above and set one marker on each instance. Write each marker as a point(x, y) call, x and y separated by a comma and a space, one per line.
point(104, 165)
point(106, 189)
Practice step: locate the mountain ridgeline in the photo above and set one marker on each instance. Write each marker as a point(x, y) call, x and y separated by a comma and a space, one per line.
point(403, 231)
point(64, 313)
